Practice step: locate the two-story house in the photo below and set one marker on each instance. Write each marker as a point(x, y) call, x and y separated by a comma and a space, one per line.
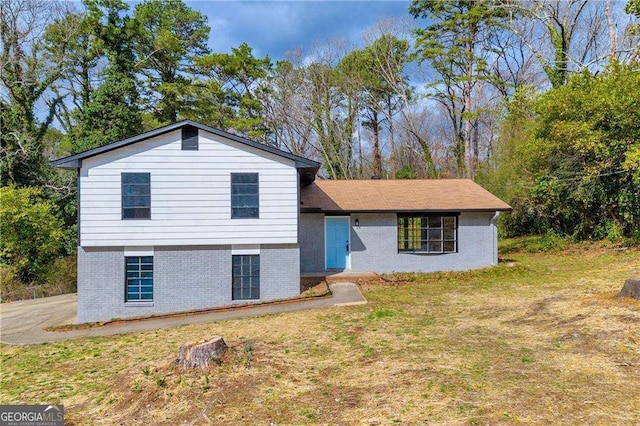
point(189, 217)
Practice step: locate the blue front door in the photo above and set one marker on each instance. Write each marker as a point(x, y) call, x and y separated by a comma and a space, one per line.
point(337, 242)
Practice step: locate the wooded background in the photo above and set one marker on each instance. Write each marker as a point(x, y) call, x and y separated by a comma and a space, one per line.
point(538, 101)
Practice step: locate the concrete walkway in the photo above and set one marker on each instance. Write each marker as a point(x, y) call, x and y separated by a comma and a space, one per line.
point(23, 322)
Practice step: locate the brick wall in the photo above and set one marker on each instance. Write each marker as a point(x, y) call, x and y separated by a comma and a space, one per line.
point(374, 245)
point(188, 278)
point(99, 269)
point(279, 271)
point(185, 278)
point(312, 242)
point(375, 248)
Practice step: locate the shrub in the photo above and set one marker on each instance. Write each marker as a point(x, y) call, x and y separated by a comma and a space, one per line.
point(60, 278)
point(406, 172)
point(31, 233)
point(61, 275)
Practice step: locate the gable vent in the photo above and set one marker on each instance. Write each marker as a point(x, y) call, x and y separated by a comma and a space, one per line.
point(189, 138)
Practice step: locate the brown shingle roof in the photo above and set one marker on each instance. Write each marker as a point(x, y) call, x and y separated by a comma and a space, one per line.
point(398, 195)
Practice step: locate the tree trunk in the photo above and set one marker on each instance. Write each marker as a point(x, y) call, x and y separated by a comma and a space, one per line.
point(468, 172)
point(631, 288)
point(466, 94)
point(392, 148)
point(377, 160)
point(360, 170)
point(199, 354)
point(428, 159)
point(613, 33)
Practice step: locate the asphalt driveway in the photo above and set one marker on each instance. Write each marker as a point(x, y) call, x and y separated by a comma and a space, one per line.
point(23, 322)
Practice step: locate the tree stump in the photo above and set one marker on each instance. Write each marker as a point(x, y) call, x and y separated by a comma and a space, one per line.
point(199, 354)
point(631, 288)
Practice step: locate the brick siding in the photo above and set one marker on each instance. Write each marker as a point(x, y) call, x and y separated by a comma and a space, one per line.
point(184, 278)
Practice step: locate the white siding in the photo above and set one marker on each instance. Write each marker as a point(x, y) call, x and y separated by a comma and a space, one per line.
point(190, 195)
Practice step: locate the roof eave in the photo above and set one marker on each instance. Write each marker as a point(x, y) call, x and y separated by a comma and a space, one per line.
point(71, 161)
point(65, 164)
point(340, 211)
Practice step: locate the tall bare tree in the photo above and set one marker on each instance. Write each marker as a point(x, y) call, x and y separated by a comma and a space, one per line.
point(454, 44)
point(285, 113)
point(563, 35)
point(28, 71)
point(390, 57)
point(83, 63)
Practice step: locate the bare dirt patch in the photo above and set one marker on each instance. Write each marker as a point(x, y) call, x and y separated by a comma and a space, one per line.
point(314, 287)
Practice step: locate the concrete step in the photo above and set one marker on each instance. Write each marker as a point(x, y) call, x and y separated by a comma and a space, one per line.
point(336, 277)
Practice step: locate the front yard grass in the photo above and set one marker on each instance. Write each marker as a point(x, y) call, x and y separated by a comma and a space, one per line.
point(537, 339)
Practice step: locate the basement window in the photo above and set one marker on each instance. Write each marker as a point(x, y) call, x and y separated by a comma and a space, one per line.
point(139, 279)
point(246, 277)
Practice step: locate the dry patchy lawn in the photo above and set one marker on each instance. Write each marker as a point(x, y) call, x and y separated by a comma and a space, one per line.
point(537, 339)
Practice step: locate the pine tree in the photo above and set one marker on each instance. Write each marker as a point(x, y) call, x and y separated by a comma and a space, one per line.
point(113, 112)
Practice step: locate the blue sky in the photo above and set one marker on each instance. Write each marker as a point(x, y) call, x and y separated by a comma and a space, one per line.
point(275, 27)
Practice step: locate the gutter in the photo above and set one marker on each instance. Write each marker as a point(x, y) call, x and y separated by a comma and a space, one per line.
point(494, 230)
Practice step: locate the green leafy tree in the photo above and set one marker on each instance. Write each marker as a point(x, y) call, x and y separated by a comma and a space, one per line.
point(171, 37)
point(505, 173)
point(31, 232)
point(229, 95)
point(113, 112)
point(583, 156)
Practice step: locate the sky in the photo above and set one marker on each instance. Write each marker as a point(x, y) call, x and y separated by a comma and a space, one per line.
point(275, 27)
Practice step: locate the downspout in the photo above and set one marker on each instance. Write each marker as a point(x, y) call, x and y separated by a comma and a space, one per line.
point(299, 224)
point(78, 200)
point(298, 190)
point(494, 232)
